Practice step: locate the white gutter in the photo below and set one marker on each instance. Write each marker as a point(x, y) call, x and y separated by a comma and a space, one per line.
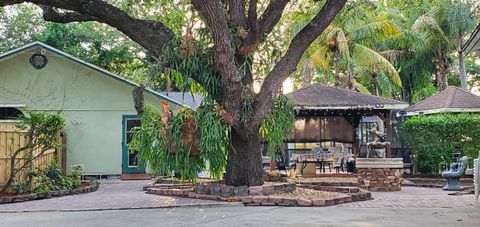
point(374, 107)
point(444, 110)
point(13, 105)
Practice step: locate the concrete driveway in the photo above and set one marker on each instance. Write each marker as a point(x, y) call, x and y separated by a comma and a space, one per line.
point(252, 216)
point(108, 207)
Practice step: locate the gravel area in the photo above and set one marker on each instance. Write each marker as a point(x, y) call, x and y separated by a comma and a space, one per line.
point(328, 179)
point(303, 193)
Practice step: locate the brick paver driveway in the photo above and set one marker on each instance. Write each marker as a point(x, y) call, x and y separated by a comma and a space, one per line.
point(415, 197)
point(116, 194)
point(111, 195)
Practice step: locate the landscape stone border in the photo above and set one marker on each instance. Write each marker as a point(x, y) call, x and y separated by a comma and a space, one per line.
point(260, 195)
point(281, 201)
point(93, 186)
point(240, 191)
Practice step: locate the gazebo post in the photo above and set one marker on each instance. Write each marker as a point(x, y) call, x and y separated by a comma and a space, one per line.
point(356, 141)
point(388, 126)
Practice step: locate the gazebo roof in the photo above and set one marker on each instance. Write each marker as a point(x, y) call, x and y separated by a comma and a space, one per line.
point(320, 96)
point(473, 43)
point(452, 99)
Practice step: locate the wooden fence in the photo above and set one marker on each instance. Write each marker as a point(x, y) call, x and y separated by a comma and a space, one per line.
point(11, 138)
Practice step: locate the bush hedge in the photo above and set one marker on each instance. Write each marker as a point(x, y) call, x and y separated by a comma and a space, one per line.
point(435, 138)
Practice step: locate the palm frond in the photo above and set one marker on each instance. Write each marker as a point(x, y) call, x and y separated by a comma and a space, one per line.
point(321, 58)
point(336, 38)
point(362, 89)
point(375, 62)
point(377, 30)
point(429, 29)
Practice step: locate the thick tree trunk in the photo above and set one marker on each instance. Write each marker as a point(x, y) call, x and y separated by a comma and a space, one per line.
point(307, 73)
point(336, 68)
point(244, 164)
point(461, 71)
point(375, 84)
point(442, 74)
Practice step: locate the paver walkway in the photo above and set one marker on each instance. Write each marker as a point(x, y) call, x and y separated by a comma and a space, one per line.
point(111, 195)
point(415, 197)
point(116, 194)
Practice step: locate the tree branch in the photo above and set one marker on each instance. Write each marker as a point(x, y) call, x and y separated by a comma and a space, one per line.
point(223, 53)
point(50, 14)
point(152, 35)
point(288, 63)
point(252, 14)
point(264, 26)
point(236, 10)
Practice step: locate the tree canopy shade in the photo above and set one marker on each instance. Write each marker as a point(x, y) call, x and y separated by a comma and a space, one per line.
point(217, 55)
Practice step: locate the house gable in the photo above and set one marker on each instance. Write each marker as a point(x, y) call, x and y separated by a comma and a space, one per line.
point(65, 83)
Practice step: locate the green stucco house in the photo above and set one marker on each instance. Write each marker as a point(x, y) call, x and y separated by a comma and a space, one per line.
point(97, 105)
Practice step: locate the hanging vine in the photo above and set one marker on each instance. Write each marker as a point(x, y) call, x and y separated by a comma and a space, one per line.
point(188, 58)
point(184, 143)
point(278, 124)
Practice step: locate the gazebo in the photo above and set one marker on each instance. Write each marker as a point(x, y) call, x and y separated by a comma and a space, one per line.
point(473, 43)
point(325, 113)
point(450, 100)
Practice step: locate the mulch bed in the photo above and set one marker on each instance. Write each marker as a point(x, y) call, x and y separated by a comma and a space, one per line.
point(305, 193)
point(86, 187)
point(328, 181)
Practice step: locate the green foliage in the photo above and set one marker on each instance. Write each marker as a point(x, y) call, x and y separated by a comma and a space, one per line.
point(53, 171)
point(19, 188)
point(43, 128)
point(52, 179)
point(77, 177)
point(162, 147)
point(436, 137)
point(278, 124)
point(214, 139)
point(193, 60)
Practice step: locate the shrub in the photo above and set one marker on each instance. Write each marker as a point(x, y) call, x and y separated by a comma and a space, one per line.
point(52, 179)
point(76, 177)
point(53, 171)
point(435, 138)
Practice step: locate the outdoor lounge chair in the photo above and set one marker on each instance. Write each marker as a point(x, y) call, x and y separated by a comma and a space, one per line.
point(454, 173)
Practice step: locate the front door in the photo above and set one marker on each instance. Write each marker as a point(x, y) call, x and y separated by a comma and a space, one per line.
point(129, 157)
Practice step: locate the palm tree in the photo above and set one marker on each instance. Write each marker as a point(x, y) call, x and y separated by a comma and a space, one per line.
point(460, 21)
point(354, 46)
point(443, 30)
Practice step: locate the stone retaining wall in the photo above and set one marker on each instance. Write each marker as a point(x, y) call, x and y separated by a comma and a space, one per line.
point(271, 200)
point(93, 186)
point(232, 191)
point(281, 201)
point(380, 179)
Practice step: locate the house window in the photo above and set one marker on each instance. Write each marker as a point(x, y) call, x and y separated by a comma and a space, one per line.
point(9, 113)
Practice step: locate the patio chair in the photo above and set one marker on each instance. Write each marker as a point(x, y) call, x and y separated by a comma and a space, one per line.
point(339, 164)
point(454, 173)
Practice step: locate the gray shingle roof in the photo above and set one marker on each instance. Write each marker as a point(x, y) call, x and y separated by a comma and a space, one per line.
point(320, 96)
point(473, 43)
point(185, 98)
point(452, 99)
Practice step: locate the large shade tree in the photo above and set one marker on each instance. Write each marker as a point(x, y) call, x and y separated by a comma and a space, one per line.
point(236, 29)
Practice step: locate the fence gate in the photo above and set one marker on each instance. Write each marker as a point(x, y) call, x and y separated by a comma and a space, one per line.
point(11, 138)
